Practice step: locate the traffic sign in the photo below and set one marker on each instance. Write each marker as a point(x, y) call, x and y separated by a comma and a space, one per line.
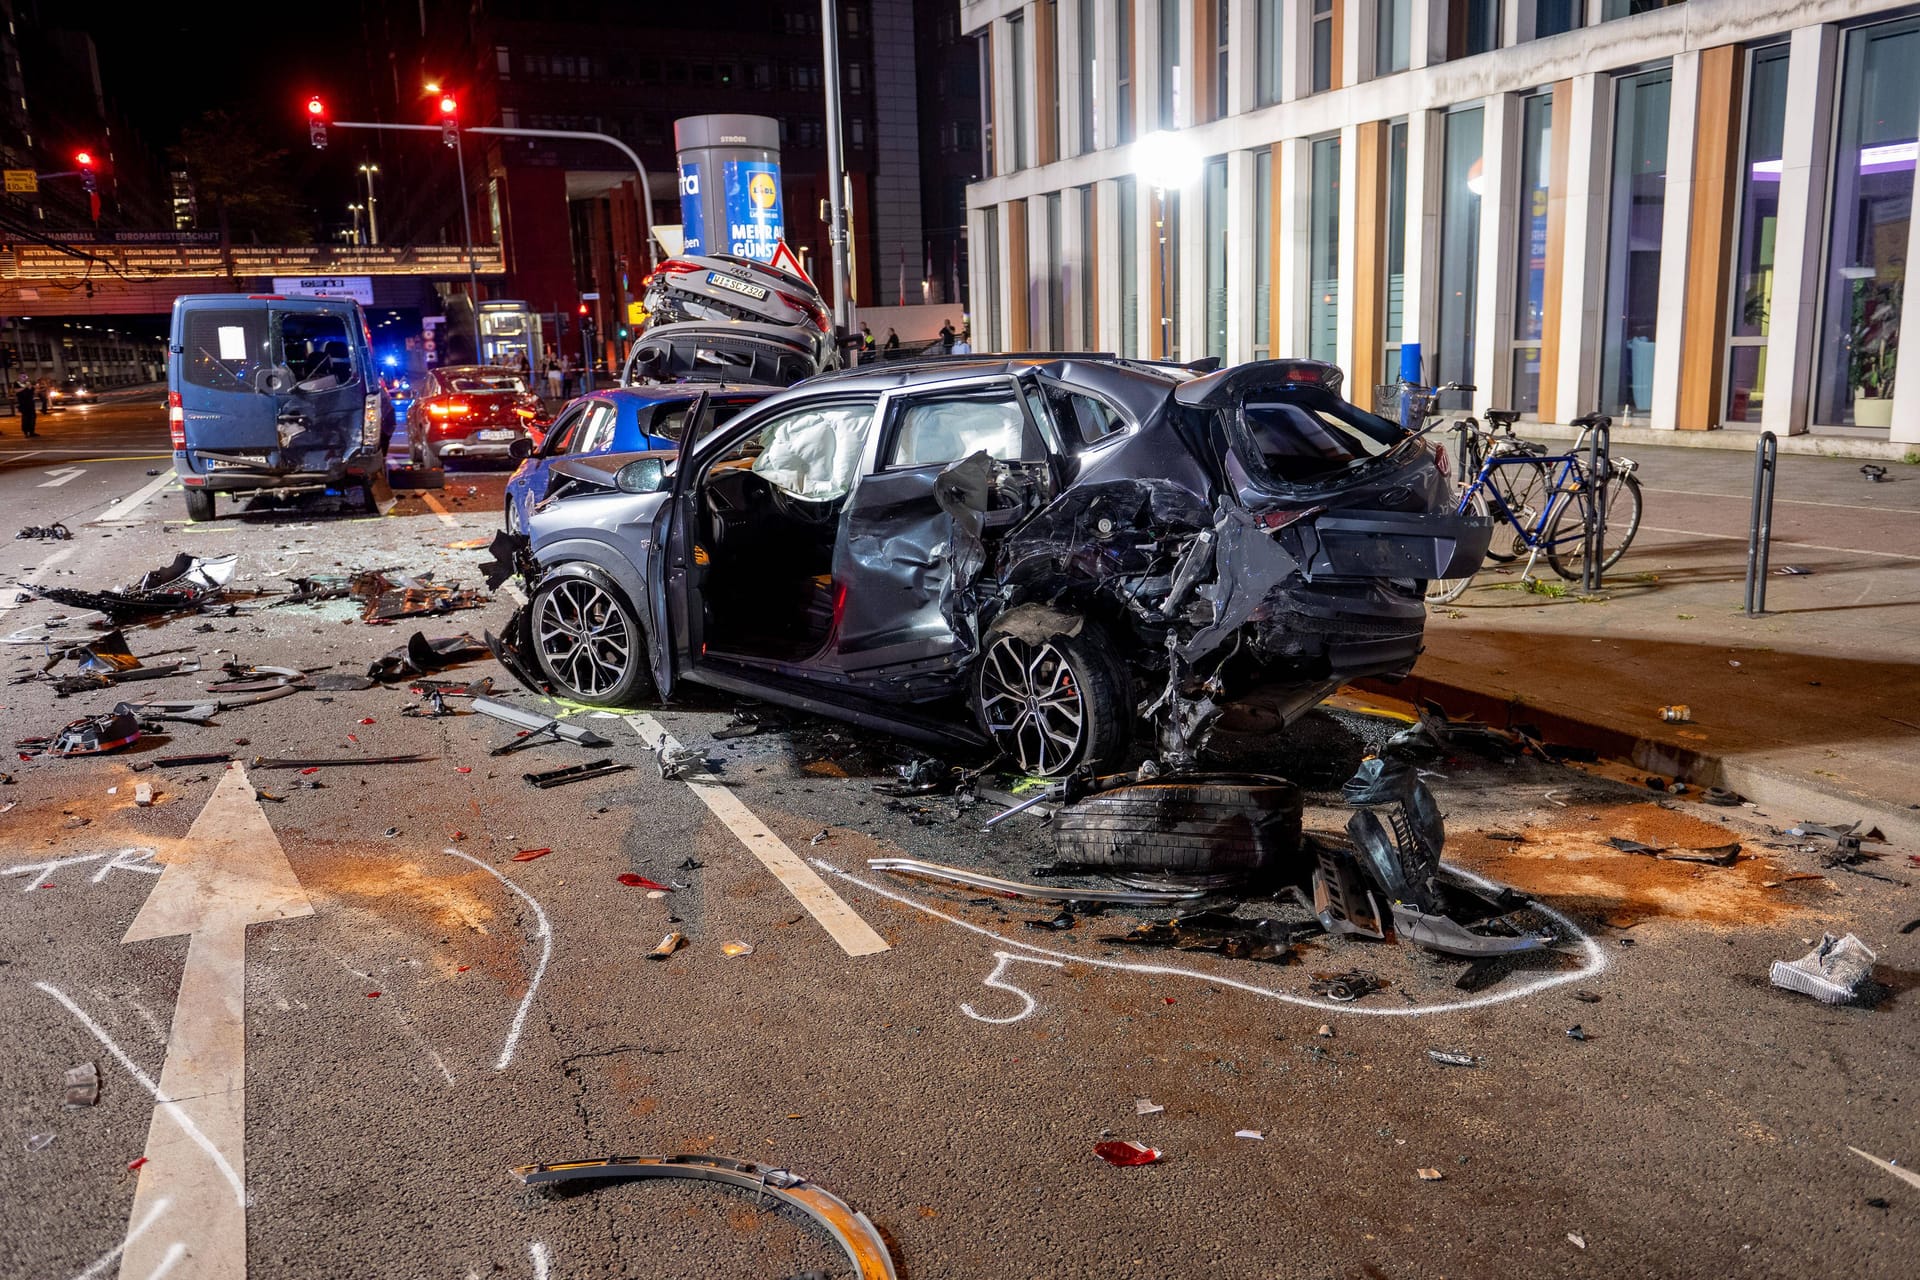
point(22, 182)
point(785, 259)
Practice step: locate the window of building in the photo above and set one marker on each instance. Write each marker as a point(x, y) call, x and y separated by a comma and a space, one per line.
point(1323, 251)
point(1017, 43)
point(1623, 8)
point(1473, 26)
point(1129, 252)
point(853, 20)
point(856, 78)
point(1056, 333)
point(1530, 274)
point(1393, 35)
point(1749, 315)
point(1263, 253)
point(1089, 76)
point(856, 131)
point(1215, 256)
point(1868, 220)
point(1395, 276)
point(1322, 75)
point(1270, 27)
point(1553, 17)
point(990, 263)
point(1089, 233)
point(503, 61)
point(985, 54)
point(1462, 182)
point(1222, 104)
point(1169, 42)
point(1053, 122)
point(1636, 208)
point(1125, 118)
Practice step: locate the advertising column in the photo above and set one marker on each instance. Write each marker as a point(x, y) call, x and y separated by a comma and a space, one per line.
point(730, 184)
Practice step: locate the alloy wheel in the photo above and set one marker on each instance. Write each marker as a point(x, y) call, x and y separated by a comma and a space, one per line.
point(583, 636)
point(1031, 701)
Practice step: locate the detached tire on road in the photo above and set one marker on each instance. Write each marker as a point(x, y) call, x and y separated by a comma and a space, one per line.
point(199, 504)
point(1204, 825)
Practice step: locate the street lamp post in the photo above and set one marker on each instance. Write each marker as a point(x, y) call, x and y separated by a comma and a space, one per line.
point(836, 174)
point(373, 218)
point(355, 209)
point(1165, 161)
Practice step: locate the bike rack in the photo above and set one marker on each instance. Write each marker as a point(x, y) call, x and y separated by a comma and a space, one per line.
point(1592, 496)
point(1766, 467)
point(1461, 431)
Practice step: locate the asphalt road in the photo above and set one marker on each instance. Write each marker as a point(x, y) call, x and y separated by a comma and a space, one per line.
point(441, 1012)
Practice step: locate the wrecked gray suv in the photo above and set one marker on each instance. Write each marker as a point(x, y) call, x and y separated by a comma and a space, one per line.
point(1046, 555)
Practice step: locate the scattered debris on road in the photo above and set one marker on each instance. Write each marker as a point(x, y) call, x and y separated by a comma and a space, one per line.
point(82, 1087)
point(862, 1241)
point(420, 656)
point(668, 945)
point(385, 596)
point(1446, 1058)
point(89, 736)
point(55, 532)
point(574, 773)
point(1126, 1153)
point(187, 585)
point(1831, 973)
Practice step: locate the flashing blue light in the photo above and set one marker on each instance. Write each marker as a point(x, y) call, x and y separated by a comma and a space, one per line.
point(392, 361)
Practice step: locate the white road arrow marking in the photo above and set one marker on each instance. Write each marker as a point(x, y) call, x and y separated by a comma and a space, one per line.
point(61, 476)
point(229, 872)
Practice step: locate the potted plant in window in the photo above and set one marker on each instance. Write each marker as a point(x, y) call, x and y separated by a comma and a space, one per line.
point(1874, 348)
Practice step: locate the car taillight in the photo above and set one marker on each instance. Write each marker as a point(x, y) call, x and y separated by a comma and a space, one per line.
point(821, 320)
point(370, 422)
point(449, 409)
point(176, 421)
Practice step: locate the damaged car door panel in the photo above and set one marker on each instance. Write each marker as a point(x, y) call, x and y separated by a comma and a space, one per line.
point(1047, 553)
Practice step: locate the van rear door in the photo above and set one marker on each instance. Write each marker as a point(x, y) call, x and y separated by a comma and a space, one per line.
point(222, 348)
point(321, 392)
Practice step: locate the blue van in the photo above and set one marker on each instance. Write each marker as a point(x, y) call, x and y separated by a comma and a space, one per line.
point(269, 392)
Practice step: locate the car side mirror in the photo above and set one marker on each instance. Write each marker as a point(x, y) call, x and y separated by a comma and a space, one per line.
point(520, 448)
point(643, 475)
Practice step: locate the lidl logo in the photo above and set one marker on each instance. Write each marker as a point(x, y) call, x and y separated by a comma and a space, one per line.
point(762, 192)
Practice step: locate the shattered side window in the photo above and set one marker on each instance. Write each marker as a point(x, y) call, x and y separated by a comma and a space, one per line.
point(943, 429)
point(1091, 419)
point(1304, 433)
point(222, 350)
point(315, 347)
point(560, 436)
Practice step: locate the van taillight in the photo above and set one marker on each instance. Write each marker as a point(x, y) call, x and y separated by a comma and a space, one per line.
point(176, 421)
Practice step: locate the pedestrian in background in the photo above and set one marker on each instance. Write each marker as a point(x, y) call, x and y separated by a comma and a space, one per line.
point(946, 336)
point(44, 389)
point(963, 346)
point(893, 340)
point(556, 380)
point(23, 397)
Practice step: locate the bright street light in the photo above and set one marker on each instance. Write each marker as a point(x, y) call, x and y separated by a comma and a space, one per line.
point(1165, 160)
point(373, 218)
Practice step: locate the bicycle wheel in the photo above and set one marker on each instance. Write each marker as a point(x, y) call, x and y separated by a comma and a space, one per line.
point(1447, 590)
point(1525, 490)
point(1566, 543)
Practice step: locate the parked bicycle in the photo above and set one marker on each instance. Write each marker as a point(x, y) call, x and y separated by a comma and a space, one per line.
point(1544, 498)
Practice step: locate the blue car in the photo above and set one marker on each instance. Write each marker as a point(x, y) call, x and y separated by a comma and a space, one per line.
point(625, 420)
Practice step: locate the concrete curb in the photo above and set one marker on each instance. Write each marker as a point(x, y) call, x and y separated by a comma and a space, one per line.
point(1787, 798)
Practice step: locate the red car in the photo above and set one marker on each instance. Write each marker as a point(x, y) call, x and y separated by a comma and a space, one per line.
point(472, 411)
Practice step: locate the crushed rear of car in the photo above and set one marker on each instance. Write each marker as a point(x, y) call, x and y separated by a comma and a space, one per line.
point(1146, 551)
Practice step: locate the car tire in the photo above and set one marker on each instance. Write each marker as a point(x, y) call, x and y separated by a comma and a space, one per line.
point(585, 638)
point(200, 505)
point(1236, 825)
point(1066, 697)
point(511, 520)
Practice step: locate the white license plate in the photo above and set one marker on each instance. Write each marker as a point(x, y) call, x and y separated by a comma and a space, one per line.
point(757, 292)
point(216, 464)
point(494, 435)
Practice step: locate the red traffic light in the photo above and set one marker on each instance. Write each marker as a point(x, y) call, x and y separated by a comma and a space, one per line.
point(583, 308)
point(83, 158)
point(447, 105)
point(314, 107)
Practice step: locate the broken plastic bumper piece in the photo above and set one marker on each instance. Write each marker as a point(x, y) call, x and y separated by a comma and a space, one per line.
point(856, 1234)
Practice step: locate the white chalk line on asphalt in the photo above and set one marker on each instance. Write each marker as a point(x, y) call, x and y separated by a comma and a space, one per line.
point(996, 980)
point(106, 1259)
point(32, 579)
point(1781, 542)
point(829, 910)
point(134, 501)
point(540, 970)
point(1596, 961)
point(542, 1264)
point(168, 1105)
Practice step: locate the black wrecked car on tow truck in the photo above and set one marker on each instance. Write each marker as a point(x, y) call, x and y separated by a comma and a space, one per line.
point(1051, 555)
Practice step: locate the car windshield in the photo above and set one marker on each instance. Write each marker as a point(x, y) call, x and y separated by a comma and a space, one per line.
point(1304, 433)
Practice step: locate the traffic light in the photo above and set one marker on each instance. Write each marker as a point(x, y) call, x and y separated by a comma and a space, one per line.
point(317, 123)
point(449, 120)
point(85, 160)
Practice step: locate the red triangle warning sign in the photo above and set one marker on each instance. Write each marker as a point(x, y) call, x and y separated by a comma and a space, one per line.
point(785, 259)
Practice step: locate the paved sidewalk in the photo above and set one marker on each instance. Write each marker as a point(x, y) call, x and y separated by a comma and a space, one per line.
point(1813, 709)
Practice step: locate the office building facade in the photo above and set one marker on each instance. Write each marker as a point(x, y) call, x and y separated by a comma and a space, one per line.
point(1687, 215)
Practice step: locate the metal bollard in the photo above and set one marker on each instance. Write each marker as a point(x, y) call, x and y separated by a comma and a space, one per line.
point(1461, 461)
point(1766, 466)
point(1594, 540)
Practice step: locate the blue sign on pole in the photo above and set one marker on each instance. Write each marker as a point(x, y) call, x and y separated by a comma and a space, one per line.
point(693, 221)
point(755, 222)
